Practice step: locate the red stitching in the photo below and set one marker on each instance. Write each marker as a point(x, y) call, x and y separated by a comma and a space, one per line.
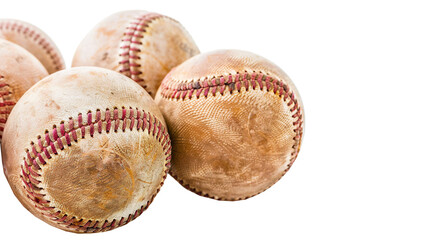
point(6, 103)
point(131, 46)
point(27, 31)
point(179, 90)
point(47, 146)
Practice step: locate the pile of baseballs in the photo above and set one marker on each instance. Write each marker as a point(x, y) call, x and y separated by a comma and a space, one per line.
point(87, 149)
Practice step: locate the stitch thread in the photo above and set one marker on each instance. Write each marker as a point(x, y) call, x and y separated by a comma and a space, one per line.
point(6, 103)
point(178, 90)
point(27, 31)
point(69, 132)
point(131, 44)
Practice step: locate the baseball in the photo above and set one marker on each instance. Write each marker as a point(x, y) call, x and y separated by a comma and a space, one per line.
point(19, 70)
point(142, 45)
point(86, 150)
point(235, 121)
point(33, 40)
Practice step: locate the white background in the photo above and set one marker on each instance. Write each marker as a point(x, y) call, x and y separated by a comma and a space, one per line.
point(362, 70)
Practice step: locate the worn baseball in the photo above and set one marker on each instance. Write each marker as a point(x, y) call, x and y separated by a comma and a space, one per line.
point(142, 45)
point(235, 121)
point(33, 40)
point(86, 150)
point(19, 70)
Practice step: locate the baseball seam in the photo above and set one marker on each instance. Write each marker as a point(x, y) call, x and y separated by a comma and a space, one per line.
point(131, 44)
point(6, 103)
point(64, 135)
point(26, 30)
point(179, 90)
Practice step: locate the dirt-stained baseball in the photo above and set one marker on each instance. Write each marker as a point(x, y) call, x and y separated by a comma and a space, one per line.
point(86, 150)
point(235, 121)
point(33, 40)
point(19, 70)
point(142, 45)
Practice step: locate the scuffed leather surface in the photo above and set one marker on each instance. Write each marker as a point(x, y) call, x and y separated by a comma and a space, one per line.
point(104, 177)
point(231, 146)
point(165, 44)
point(19, 70)
point(33, 40)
